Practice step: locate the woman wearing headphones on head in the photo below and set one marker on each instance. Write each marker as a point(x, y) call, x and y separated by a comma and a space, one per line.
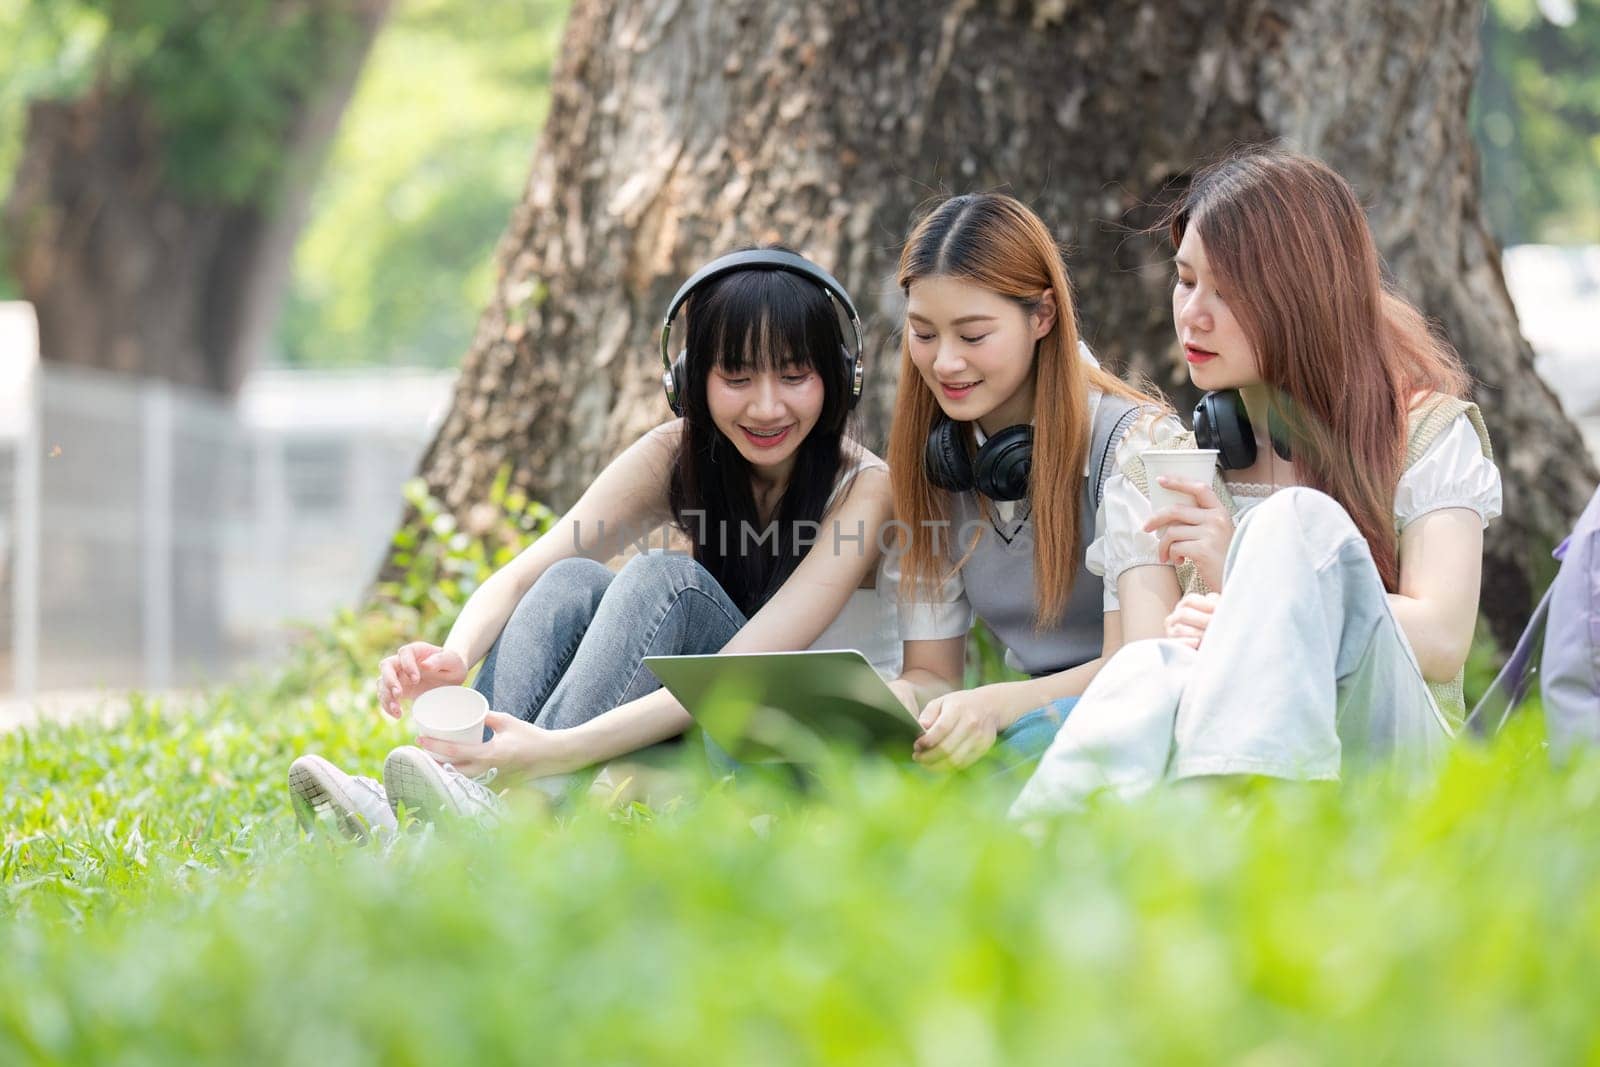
point(1328, 627)
point(757, 460)
point(1005, 429)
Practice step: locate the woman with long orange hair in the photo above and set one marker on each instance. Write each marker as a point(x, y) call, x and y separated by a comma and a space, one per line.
point(1005, 431)
point(1330, 574)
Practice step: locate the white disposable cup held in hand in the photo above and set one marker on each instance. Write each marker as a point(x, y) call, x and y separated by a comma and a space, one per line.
point(1184, 464)
point(451, 713)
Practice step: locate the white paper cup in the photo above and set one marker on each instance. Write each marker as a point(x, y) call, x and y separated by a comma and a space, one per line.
point(1187, 464)
point(451, 713)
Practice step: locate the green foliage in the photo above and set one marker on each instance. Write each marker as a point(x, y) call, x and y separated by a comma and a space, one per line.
point(222, 81)
point(442, 564)
point(1536, 120)
point(429, 160)
point(432, 153)
point(225, 81)
point(438, 566)
point(396, 261)
point(48, 50)
point(158, 905)
point(986, 658)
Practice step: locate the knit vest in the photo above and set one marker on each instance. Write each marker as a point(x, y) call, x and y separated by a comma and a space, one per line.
point(998, 575)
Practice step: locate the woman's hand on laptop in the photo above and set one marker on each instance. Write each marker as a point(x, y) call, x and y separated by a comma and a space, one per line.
point(959, 728)
point(415, 669)
point(907, 692)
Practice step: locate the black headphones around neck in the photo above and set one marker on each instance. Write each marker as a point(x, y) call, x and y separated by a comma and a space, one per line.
point(999, 471)
point(672, 370)
point(1221, 422)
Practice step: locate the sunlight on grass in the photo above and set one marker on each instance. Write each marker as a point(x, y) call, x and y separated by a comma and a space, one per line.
point(158, 903)
point(161, 905)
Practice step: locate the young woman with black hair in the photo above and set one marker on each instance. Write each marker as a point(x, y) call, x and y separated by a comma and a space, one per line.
point(757, 472)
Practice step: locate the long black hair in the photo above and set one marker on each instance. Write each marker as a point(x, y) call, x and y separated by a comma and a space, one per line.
point(751, 321)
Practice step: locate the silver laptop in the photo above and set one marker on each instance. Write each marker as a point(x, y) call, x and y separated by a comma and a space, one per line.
point(789, 707)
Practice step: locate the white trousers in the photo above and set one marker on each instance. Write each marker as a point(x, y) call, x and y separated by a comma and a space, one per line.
point(1302, 673)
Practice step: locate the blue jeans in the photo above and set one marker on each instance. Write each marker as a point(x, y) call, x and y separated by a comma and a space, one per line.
point(1019, 746)
point(574, 648)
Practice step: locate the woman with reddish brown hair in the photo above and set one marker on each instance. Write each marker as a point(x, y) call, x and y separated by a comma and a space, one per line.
point(1320, 594)
point(1005, 431)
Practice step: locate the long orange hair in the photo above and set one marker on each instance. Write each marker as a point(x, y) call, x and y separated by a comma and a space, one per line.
point(996, 242)
point(1345, 354)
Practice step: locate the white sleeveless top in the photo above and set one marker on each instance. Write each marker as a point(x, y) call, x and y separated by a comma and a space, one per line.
point(867, 623)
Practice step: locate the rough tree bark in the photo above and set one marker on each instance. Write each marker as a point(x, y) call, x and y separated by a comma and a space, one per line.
point(129, 271)
point(681, 128)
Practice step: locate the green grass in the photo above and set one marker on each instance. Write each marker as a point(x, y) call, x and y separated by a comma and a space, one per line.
point(158, 905)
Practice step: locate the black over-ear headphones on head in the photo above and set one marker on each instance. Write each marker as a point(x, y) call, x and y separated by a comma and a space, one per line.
point(1221, 422)
point(672, 370)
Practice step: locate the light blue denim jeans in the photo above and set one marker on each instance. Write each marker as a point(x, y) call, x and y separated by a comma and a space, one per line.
point(1303, 673)
point(1019, 746)
point(574, 648)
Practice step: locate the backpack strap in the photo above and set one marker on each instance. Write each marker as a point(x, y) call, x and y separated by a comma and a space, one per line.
point(1113, 417)
point(1516, 678)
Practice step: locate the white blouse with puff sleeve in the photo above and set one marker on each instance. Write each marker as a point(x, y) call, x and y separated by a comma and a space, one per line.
point(1453, 473)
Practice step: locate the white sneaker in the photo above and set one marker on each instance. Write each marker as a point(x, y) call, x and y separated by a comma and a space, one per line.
point(358, 805)
point(430, 788)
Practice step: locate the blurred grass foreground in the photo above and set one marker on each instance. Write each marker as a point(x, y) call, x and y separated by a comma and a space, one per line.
point(159, 905)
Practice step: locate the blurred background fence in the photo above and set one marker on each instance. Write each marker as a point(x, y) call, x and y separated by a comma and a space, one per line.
point(154, 536)
point(1557, 293)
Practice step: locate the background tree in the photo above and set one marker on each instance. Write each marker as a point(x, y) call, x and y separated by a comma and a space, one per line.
point(155, 205)
point(678, 130)
point(1537, 120)
point(397, 257)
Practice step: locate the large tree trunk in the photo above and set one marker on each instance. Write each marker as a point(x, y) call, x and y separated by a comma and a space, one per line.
point(130, 269)
point(678, 130)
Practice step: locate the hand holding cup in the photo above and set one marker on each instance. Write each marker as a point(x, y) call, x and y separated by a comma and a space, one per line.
point(1191, 521)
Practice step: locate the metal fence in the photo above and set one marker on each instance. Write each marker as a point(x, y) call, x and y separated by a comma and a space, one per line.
point(152, 536)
